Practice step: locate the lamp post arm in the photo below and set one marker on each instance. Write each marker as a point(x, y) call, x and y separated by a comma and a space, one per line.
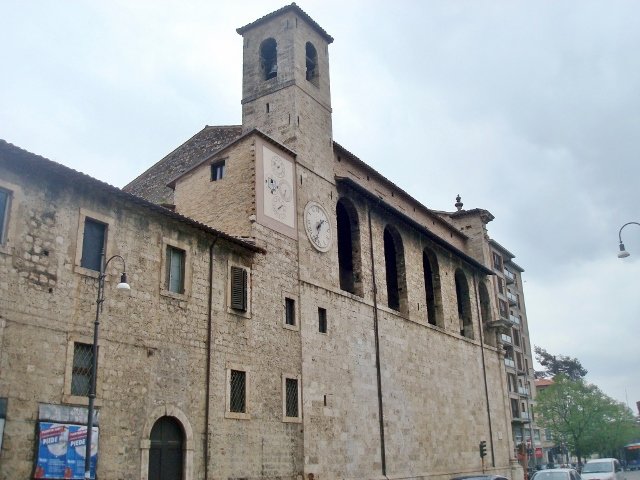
point(620, 232)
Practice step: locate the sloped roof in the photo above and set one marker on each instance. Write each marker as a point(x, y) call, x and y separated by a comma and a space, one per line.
point(152, 184)
point(21, 160)
point(293, 7)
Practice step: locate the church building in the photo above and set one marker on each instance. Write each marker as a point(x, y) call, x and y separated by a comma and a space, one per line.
point(293, 314)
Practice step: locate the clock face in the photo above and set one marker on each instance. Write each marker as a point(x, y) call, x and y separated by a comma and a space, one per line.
point(317, 226)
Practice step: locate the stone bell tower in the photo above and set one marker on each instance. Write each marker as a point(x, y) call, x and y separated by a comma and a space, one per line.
point(285, 86)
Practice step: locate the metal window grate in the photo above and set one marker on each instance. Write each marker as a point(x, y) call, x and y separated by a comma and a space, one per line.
point(81, 373)
point(238, 393)
point(292, 397)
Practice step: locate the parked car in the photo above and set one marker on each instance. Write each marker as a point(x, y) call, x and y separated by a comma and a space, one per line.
point(556, 474)
point(480, 477)
point(602, 469)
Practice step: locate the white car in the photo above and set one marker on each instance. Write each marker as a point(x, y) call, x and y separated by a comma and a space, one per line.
point(602, 469)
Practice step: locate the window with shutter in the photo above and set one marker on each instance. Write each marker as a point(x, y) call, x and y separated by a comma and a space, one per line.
point(5, 197)
point(175, 269)
point(93, 243)
point(239, 289)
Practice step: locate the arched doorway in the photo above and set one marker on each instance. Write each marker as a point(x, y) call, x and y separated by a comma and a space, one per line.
point(166, 451)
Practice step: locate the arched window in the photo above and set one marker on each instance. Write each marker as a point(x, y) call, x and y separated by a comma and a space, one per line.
point(432, 287)
point(313, 73)
point(485, 312)
point(464, 304)
point(349, 262)
point(167, 450)
point(269, 58)
point(395, 268)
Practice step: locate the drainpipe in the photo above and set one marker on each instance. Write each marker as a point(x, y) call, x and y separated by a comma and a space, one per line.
point(207, 386)
point(377, 339)
point(484, 368)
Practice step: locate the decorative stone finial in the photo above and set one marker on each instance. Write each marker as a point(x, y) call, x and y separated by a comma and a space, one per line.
point(459, 204)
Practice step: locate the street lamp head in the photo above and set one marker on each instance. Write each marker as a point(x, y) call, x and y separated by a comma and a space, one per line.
point(123, 285)
point(623, 253)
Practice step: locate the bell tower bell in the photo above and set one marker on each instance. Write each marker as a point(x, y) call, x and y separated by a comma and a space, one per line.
point(285, 86)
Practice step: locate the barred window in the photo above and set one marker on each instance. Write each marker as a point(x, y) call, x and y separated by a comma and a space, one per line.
point(238, 392)
point(81, 373)
point(291, 405)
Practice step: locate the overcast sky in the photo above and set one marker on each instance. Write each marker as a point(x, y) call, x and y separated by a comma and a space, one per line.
point(530, 110)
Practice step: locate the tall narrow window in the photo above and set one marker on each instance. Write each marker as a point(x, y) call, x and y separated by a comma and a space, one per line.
point(313, 73)
point(93, 243)
point(175, 269)
point(485, 311)
point(464, 304)
point(269, 58)
point(291, 400)
point(5, 198)
point(217, 171)
point(289, 311)
point(238, 288)
point(81, 372)
point(432, 287)
point(349, 263)
point(322, 320)
point(395, 270)
point(238, 391)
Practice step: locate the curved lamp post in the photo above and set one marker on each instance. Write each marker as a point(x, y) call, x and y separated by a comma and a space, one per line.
point(623, 253)
point(123, 285)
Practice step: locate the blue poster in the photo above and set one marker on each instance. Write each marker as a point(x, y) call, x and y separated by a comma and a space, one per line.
point(61, 450)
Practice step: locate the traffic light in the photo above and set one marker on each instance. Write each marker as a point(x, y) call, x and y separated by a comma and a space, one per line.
point(483, 448)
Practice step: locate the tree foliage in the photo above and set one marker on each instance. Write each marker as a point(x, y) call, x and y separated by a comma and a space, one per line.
point(559, 365)
point(583, 418)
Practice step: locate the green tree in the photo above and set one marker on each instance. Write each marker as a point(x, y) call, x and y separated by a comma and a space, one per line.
point(585, 419)
point(558, 365)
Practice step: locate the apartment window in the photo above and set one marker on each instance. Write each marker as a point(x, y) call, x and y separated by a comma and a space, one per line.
point(93, 244)
point(238, 288)
point(217, 171)
point(5, 199)
point(500, 285)
point(497, 261)
point(81, 370)
point(175, 269)
point(238, 391)
point(289, 311)
point(322, 320)
point(504, 310)
point(291, 398)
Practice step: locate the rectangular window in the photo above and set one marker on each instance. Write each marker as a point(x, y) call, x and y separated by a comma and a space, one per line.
point(217, 171)
point(497, 261)
point(322, 320)
point(239, 289)
point(290, 311)
point(175, 269)
point(238, 391)
point(5, 198)
point(93, 244)
point(504, 310)
point(81, 372)
point(500, 285)
point(291, 401)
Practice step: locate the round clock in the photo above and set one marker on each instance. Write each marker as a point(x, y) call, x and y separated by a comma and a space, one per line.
point(317, 226)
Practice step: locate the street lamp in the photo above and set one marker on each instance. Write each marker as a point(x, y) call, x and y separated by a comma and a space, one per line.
point(123, 285)
point(623, 253)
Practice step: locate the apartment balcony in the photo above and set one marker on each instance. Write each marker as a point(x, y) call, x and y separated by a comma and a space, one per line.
point(514, 319)
point(510, 363)
point(512, 298)
point(523, 391)
point(509, 276)
point(506, 339)
point(524, 416)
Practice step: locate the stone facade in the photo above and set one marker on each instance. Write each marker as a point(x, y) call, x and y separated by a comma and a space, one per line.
point(386, 339)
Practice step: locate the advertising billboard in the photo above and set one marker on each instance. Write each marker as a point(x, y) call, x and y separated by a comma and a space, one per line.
point(61, 451)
